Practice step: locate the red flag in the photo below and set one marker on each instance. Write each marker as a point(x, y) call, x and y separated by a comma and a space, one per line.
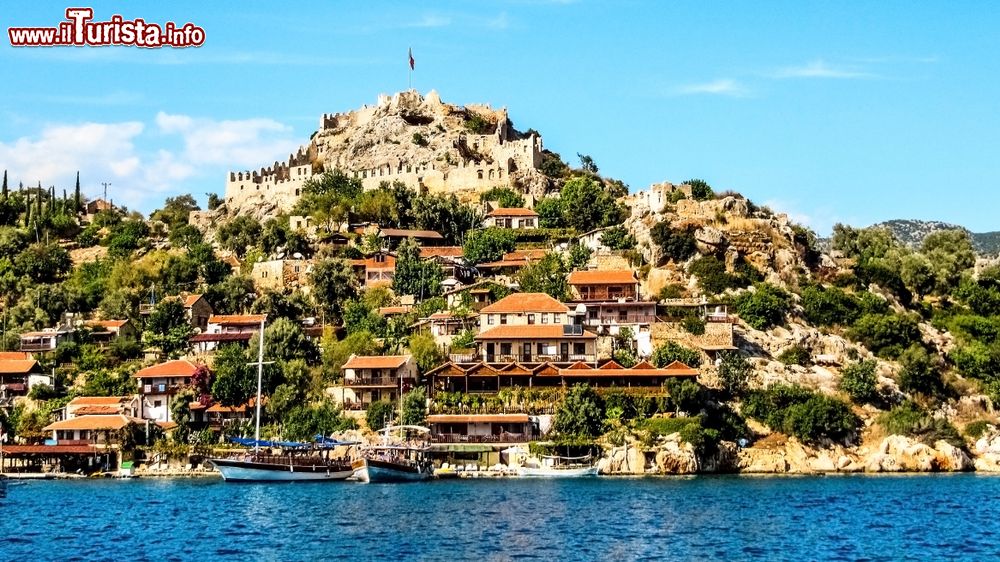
point(411, 59)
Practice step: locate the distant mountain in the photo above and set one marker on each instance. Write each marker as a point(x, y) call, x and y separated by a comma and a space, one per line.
point(913, 232)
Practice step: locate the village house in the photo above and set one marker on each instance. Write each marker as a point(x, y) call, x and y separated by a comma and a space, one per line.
point(17, 376)
point(516, 218)
point(44, 341)
point(532, 327)
point(445, 326)
point(504, 269)
point(452, 262)
point(90, 429)
point(370, 378)
point(281, 274)
point(197, 310)
point(378, 269)
point(608, 300)
point(103, 332)
point(158, 385)
point(225, 329)
point(95, 206)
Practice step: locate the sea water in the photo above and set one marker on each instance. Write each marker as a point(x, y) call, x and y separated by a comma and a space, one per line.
point(919, 517)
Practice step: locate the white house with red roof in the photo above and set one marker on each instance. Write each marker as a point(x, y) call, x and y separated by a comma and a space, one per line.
point(370, 378)
point(532, 327)
point(159, 383)
point(512, 217)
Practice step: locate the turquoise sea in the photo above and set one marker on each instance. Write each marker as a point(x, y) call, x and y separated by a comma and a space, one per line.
point(925, 517)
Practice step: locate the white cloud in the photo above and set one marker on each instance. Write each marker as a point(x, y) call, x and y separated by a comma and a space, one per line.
point(721, 87)
point(141, 162)
point(241, 143)
point(821, 69)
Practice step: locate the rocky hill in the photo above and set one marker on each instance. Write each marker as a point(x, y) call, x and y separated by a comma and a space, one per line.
point(912, 232)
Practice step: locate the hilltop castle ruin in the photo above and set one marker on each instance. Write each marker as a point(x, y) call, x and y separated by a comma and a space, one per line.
point(429, 145)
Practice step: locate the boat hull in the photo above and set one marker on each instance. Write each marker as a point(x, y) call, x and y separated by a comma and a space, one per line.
point(583, 472)
point(367, 470)
point(243, 471)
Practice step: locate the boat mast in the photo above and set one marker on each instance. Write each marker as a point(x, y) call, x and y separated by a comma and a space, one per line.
point(260, 378)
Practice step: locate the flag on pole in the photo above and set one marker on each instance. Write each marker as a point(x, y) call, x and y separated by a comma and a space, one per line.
point(411, 59)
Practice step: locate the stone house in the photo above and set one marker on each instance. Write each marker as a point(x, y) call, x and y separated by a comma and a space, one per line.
point(281, 274)
point(370, 378)
point(159, 383)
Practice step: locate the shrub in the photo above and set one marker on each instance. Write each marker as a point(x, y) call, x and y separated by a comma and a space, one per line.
point(618, 238)
point(379, 414)
point(419, 139)
point(686, 395)
point(858, 380)
point(920, 373)
point(672, 291)
point(796, 355)
point(673, 351)
point(700, 190)
point(676, 245)
point(764, 307)
point(504, 196)
point(977, 428)
point(581, 413)
point(886, 335)
point(734, 372)
point(800, 412)
point(693, 324)
point(910, 420)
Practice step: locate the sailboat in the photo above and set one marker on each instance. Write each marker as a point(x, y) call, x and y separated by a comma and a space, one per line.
point(558, 467)
point(406, 461)
point(300, 462)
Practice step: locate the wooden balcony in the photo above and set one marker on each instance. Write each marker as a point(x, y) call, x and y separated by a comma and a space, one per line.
point(376, 382)
point(501, 438)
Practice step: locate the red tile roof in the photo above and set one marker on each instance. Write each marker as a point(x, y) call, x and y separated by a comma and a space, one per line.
point(42, 450)
point(371, 263)
point(191, 299)
point(441, 251)
point(200, 338)
point(17, 366)
point(97, 410)
point(16, 355)
point(175, 368)
point(532, 331)
point(376, 361)
point(107, 323)
point(597, 277)
point(92, 423)
point(236, 319)
point(97, 400)
point(675, 369)
point(512, 212)
point(525, 302)
point(528, 254)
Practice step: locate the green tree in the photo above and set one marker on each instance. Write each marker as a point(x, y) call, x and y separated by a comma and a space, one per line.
point(239, 234)
point(415, 407)
point(859, 381)
point(547, 275)
point(415, 276)
point(180, 411)
point(380, 414)
point(336, 353)
point(587, 205)
point(489, 244)
point(233, 295)
point(671, 351)
point(504, 196)
point(284, 340)
point(618, 238)
point(886, 335)
point(675, 244)
point(176, 210)
point(333, 283)
point(579, 255)
point(168, 329)
point(235, 381)
point(950, 253)
point(329, 198)
point(734, 372)
point(920, 373)
point(700, 190)
point(127, 237)
point(550, 214)
point(425, 351)
point(581, 413)
point(43, 263)
point(764, 307)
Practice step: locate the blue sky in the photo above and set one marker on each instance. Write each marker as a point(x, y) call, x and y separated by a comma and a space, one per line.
point(850, 112)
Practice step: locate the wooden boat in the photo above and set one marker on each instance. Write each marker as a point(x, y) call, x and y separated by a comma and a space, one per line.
point(257, 467)
point(395, 462)
point(558, 467)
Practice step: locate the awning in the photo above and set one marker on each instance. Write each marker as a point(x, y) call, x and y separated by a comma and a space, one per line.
point(461, 448)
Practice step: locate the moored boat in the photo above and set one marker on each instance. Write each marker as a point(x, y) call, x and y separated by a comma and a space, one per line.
point(300, 462)
point(558, 467)
point(401, 462)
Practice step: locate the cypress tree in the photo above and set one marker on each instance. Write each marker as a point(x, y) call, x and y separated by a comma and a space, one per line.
point(52, 199)
point(77, 202)
point(27, 212)
point(5, 184)
point(38, 200)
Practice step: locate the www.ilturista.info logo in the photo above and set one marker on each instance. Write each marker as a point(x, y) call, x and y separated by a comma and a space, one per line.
point(79, 30)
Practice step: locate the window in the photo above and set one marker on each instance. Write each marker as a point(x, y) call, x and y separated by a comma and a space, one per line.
point(623, 315)
point(531, 319)
point(490, 320)
point(545, 318)
point(157, 403)
point(579, 349)
point(503, 319)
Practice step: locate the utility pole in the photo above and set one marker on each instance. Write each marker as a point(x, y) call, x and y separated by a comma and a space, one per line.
point(106, 184)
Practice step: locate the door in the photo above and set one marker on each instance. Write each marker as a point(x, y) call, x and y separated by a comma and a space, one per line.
point(564, 351)
point(490, 351)
point(526, 353)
